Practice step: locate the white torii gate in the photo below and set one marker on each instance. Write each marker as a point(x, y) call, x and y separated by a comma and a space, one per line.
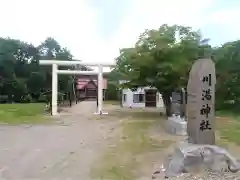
point(55, 72)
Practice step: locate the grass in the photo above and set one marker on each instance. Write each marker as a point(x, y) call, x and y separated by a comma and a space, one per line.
point(122, 160)
point(228, 125)
point(228, 114)
point(14, 114)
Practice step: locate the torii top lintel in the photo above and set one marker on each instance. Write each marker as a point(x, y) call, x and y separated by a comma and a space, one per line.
point(70, 63)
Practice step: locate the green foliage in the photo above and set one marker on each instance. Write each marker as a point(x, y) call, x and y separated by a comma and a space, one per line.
point(42, 98)
point(27, 98)
point(227, 58)
point(112, 91)
point(36, 82)
point(162, 58)
point(21, 77)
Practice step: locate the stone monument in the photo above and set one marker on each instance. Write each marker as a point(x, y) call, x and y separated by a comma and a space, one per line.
point(176, 124)
point(200, 158)
point(178, 102)
point(201, 102)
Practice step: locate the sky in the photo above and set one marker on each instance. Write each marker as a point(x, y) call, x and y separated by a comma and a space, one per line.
point(95, 30)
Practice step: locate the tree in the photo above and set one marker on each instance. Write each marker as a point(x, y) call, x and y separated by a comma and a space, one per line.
point(161, 58)
point(13, 68)
point(113, 88)
point(20, 72)
point(227, 58)
point(49, 48)
point(36, 84)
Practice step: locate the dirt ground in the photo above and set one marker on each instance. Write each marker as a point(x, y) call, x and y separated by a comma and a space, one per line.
point(64, 150)
point(69, 147)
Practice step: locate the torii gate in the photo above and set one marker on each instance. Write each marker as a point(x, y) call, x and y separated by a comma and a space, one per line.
point(55, 72)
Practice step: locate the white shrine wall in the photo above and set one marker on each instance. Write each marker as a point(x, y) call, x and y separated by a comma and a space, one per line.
point(129, 102)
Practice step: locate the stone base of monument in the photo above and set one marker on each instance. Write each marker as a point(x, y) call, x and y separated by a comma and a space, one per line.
point(195, 161)
point(176, 125)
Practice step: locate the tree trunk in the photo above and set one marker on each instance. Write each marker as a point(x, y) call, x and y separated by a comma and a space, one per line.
point(120, 97)
point(167, 103)
point(70, 99)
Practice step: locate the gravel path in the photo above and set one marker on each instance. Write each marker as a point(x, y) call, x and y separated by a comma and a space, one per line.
point(62, 151)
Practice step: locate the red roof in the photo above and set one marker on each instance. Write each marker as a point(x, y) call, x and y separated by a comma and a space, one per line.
point(81, 85)
point(82, 82)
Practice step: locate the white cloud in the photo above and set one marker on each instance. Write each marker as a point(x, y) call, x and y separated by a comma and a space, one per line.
point(74, 23)
point(153, 13)
point(226, 20)
point(199, 14)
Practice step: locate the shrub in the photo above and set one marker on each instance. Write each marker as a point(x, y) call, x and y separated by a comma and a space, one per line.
point(27, 99)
